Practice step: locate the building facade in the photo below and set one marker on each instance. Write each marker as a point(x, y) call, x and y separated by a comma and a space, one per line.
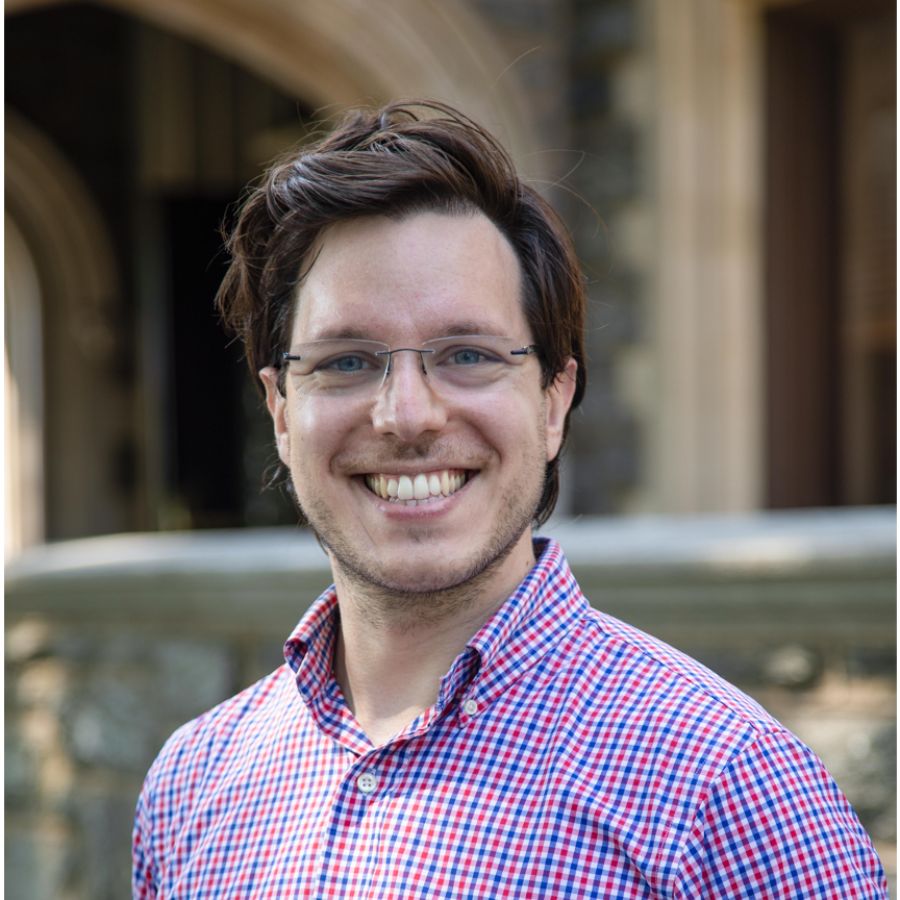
point(727, 168)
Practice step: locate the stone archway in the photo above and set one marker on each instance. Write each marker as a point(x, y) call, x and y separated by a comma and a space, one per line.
point(339, 52)
point(24, 395)
point(62, 285)
point(327, 53)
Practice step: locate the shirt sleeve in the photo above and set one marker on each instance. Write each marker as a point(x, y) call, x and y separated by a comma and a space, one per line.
point(777, 826)
point(143, 871)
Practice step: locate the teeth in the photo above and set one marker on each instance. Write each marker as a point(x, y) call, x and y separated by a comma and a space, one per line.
point(420, 487)
point(417, 488)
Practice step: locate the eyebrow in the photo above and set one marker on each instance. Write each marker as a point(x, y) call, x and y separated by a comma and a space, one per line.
point(450, 330)
point(466, 327)
point(343, 334)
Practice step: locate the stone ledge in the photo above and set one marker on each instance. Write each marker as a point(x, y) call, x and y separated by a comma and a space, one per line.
point(794, 540)
point(812, 574)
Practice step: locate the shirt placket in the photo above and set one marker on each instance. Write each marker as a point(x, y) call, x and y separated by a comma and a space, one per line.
point(352, 855)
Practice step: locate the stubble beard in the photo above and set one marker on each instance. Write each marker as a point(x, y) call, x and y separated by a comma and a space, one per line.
point(446, 593)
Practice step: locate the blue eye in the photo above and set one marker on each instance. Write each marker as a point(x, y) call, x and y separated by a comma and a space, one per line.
point(469, 356)
point(348, 364)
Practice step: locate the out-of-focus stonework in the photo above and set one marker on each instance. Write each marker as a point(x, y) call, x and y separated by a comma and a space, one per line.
point(112, 643)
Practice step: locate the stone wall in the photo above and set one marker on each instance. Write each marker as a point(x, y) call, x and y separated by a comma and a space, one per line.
point(583, 67)
point(114, 642)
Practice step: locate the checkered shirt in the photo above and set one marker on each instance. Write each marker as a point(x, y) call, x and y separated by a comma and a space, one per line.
point(567, 755)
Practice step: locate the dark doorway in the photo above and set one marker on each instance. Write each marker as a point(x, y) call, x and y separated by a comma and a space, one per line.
point(830, 250)
point(207, 373)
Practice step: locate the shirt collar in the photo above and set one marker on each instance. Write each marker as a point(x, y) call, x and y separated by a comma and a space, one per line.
point(543, 607)
point(534, 618)
point(309, 651)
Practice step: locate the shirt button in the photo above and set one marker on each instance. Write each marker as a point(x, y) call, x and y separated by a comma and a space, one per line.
point(367, 783)
point(470, 707)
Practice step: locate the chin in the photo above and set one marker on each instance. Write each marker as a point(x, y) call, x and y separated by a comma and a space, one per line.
point(426, 561)
point(415, 580)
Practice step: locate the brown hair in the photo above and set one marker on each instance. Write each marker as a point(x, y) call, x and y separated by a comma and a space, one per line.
point(392, 161)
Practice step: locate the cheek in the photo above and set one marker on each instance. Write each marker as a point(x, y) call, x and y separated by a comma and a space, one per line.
point(322, 433)
point(312, 426)
point(513, 422)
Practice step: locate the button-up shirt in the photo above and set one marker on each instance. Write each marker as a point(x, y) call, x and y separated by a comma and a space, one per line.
point(567, 755)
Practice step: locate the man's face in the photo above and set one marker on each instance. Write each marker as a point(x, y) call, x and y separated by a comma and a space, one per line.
point(403, 283)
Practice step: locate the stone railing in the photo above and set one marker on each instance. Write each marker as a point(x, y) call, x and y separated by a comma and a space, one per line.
point(113, 642)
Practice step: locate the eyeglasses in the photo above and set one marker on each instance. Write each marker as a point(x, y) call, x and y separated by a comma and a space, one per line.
point(467, 362)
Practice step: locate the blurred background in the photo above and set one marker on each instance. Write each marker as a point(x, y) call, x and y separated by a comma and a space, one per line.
point(728, 170)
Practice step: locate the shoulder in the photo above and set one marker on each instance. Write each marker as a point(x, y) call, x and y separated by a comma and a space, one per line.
point(625, 667)
point(629, 710)
point(194, 762)
point(643, 672)
point(775, 822)
point(691, 760)
point(206, 742)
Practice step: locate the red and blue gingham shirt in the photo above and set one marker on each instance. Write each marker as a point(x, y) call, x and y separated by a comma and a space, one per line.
point(567, 755)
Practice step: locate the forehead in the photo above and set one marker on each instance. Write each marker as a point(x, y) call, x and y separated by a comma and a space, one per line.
point(420, 276)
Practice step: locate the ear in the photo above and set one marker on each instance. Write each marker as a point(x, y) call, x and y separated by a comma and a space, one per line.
point(558, 400)
point(277, 406)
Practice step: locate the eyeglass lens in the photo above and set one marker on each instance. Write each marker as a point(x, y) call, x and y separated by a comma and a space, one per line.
point(468, 361)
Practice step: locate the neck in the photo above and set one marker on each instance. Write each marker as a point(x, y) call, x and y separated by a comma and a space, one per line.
point(394, 647)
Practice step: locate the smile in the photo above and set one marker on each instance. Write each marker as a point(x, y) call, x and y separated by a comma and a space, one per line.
point(423, 486)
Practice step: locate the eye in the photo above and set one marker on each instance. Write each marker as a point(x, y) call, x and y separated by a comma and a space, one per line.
point(347, 364)
point(468, 356)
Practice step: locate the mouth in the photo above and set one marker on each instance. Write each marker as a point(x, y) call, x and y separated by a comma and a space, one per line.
point(421, 487)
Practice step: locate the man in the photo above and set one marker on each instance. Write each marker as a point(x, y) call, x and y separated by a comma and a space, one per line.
point(453, 719)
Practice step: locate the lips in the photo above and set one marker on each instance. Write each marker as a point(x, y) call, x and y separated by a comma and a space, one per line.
point(418, 486)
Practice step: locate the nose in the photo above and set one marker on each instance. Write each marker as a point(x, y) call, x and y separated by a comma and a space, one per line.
point(406, 404)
